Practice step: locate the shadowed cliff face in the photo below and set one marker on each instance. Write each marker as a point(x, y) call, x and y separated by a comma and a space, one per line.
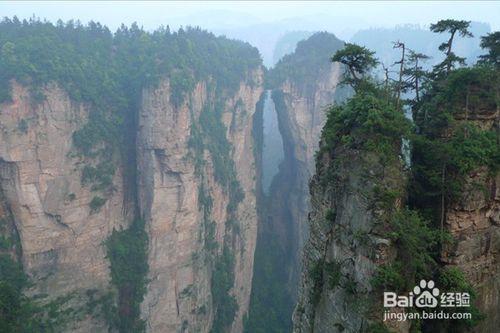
point(376, 226)
point(466, 202)
point(474, 223)
point(302, 116)
point(473, 220)
point(355, 193)
point(303, 85)
point(346, 241)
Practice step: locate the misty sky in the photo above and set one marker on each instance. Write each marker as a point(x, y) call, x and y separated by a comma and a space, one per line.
point(346, 17)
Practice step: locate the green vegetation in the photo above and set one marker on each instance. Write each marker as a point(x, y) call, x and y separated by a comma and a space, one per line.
point(108, 72)
point(491, 42)
point(450, 146)
point(286, 44)
point(453, 27)
point(96, 203)
point(366, 122)
point(309, 61)
point(442, 163)
point(452, 279)
point(18, 312)
point(221, 284)
point(15, 309)
point(333, 273)
point(127, 253)
point(358, 60)
point(447, 146)
point(316, 276)
point(101, 176)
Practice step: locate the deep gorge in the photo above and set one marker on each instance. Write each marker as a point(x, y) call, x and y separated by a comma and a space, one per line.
point(167, 181)
point(170, 157)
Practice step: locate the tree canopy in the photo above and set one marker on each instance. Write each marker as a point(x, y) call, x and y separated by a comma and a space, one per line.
point(491, 42)
point(452, 27)
point(358, 59)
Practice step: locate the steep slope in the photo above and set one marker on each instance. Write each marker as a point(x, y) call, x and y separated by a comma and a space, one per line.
point(303, 84)
point(376, 226)
point(61, 234)
point(194, 210)
point(356, 192)
point(127, 172)
point(459, 124)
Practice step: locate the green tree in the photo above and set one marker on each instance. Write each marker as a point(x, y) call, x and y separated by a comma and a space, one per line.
point(453, 27)
point(414, 73)
point(359, 61)
point(491, 42)
point(401, 63)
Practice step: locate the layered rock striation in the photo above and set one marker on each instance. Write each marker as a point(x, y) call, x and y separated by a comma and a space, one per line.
point(186, 208)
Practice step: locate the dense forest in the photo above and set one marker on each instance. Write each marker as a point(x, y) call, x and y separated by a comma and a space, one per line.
point(309, 60)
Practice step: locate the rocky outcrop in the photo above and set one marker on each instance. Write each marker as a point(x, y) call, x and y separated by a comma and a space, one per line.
point(474, 223)
point(346, 242)
point(125, 155)
point(303, 85)
point(355, 248)
point(174, 184)
point(61, 237)
point(302, 115)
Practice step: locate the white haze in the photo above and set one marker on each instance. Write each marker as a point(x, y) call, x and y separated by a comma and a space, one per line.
point(261, 23)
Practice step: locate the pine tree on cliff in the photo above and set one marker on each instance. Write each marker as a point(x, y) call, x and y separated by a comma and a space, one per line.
point(401, 63)
point(414, 73)
point(454, 27)
point(359, 61)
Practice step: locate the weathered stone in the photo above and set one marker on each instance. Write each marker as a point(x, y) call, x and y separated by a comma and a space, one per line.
point(62, 242)
point(169, 201)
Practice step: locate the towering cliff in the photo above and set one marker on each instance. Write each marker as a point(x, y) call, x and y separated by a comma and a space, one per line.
point(195, 206)
point(60, 233)
point(303, 84)
point(355, 195)
point(128, 181)
point(377, 225)
point(460, 192)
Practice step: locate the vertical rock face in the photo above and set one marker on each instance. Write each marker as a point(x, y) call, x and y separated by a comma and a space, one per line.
point(302, 116)
point(40, 177)
point(158, 151)
point(353, 243)
point(346, 241)
point(172, 195)
point(303, 85)
point(474, 222)
point(475, 225)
